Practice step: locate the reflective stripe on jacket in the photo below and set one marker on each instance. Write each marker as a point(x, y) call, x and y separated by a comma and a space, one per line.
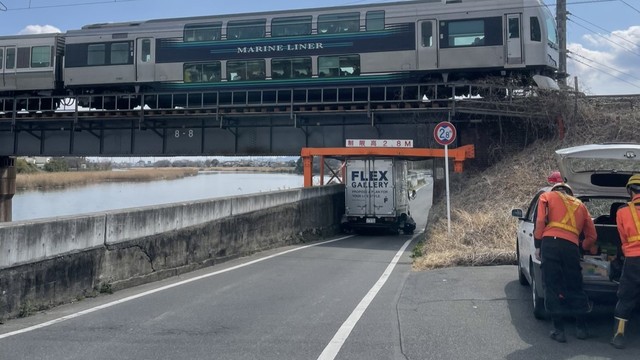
point(628, 222)
point(565, 217)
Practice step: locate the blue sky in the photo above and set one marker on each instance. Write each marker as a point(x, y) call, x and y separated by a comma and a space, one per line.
point(603, 35)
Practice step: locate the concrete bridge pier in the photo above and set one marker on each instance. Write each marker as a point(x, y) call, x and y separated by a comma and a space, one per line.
point(7, 186)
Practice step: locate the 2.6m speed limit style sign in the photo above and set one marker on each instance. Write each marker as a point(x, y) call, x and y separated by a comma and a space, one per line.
point(444, 133)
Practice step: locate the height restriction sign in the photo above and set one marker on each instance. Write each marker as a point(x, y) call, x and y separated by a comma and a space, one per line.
point(444, 133)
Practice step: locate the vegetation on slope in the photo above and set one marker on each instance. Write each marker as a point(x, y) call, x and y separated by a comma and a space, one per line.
point(483, 231)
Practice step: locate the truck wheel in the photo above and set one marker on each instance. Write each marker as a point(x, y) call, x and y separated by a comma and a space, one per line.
point(408, 229)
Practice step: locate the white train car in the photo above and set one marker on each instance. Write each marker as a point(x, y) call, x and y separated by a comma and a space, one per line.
point(31, 64)
point(427, 40)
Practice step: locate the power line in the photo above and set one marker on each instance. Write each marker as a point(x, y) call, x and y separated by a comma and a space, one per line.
point(84, 3)
point(3, 7)
point(604, 72)
point(609, 40)
point(604, 65)
point(603, 29)
point(626, 3)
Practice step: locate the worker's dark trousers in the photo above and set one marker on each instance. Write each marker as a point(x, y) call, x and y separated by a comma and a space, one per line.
point(629, 288)
point(562, 277)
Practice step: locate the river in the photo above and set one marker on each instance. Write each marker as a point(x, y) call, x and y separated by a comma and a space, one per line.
point(36, 204)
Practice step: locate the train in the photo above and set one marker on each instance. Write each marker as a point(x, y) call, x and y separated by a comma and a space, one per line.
point(383, 43)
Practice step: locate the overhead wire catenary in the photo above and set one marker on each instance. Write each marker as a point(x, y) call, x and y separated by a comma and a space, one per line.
point(603, 65)
point(614, 76)
point(80, 3)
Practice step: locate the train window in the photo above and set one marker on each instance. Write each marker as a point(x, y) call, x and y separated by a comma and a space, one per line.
point(145, 52)
point(536, 33)
point(246, 70)
point(96, 54)
point(514, 28)
point(339, 66)
point(246, 29)
point(338, 23)
point(24, 56)
point(297, 68)
point(427, 34)
point(375, 20)
point(202, 32)
point(119, 53)
point(11, 58)
point(472, 32)
point(1, 58)
point(209, 72)
point(291, 26)
point(552, 34)
point(40, 56)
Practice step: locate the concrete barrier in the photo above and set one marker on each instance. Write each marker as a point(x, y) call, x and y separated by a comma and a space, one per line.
point(29, 241)
point(49, 262)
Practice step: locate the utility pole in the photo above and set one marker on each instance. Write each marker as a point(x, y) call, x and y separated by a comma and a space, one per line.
point(561, 20)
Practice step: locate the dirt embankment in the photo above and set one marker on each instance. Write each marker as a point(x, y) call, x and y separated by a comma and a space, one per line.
point(483, 231)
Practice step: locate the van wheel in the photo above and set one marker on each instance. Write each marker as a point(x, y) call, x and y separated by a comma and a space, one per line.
point(521, 278)
point(539, 311)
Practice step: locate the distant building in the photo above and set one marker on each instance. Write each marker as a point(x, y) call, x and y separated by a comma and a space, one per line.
point(38, 161)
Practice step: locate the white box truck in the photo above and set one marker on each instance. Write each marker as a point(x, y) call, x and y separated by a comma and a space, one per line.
point(377, 195)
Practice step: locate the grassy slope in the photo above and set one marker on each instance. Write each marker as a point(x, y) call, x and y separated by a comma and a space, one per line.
point(483, 231)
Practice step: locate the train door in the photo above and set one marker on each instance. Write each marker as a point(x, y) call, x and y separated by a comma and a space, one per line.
point(145, 60)
point(427, 45)
point(8, 68)
point(514, 39)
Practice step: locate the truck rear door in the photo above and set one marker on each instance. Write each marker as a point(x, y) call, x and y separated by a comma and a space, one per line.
point(370, 190)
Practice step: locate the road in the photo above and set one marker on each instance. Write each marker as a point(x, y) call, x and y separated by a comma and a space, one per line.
point(350, 298)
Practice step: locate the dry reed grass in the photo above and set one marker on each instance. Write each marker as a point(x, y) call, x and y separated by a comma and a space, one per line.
point(482, 229)
point(66, 179)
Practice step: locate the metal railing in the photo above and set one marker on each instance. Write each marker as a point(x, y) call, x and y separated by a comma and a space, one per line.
point(365, 97)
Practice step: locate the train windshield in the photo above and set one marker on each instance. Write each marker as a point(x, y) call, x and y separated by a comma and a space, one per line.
point(552, 34)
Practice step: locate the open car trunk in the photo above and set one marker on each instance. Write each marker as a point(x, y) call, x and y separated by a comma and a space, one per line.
point(607, 264)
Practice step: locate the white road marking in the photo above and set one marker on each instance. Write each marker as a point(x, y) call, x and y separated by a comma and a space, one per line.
point(331, 351)
point(133, 297)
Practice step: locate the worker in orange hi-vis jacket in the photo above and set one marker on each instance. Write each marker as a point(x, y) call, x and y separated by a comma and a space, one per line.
point(561, 220)
point(628, 222)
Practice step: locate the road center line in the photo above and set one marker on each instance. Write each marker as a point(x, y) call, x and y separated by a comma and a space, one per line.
point(166, 287)
point(331, 351)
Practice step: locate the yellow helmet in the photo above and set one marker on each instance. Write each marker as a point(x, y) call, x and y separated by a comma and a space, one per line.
point(562, 186)
point(634, 180)
point(634, 183)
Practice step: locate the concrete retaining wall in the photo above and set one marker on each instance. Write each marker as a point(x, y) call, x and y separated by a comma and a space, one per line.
point(46, 263)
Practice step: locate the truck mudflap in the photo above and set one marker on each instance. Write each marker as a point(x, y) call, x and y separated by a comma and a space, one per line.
point(404, 222)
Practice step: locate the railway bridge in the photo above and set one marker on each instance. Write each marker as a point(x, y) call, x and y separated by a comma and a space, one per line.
point(257, 122)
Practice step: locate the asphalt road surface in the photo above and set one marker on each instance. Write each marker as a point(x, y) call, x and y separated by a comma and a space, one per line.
point(350, 298)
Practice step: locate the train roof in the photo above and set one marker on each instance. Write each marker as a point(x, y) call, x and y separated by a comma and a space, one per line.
point(121, 25)
point(31, 36)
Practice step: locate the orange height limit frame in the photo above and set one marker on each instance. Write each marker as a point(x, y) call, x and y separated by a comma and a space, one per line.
point(459, 155)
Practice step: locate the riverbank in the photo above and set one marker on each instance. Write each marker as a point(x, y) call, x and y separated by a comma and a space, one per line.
point(261, 169)
point(47, 180)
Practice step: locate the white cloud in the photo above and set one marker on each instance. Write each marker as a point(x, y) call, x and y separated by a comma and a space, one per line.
point(607, 64)
point(39, 29)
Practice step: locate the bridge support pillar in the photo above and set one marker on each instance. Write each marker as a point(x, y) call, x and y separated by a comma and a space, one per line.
point(7, 186)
